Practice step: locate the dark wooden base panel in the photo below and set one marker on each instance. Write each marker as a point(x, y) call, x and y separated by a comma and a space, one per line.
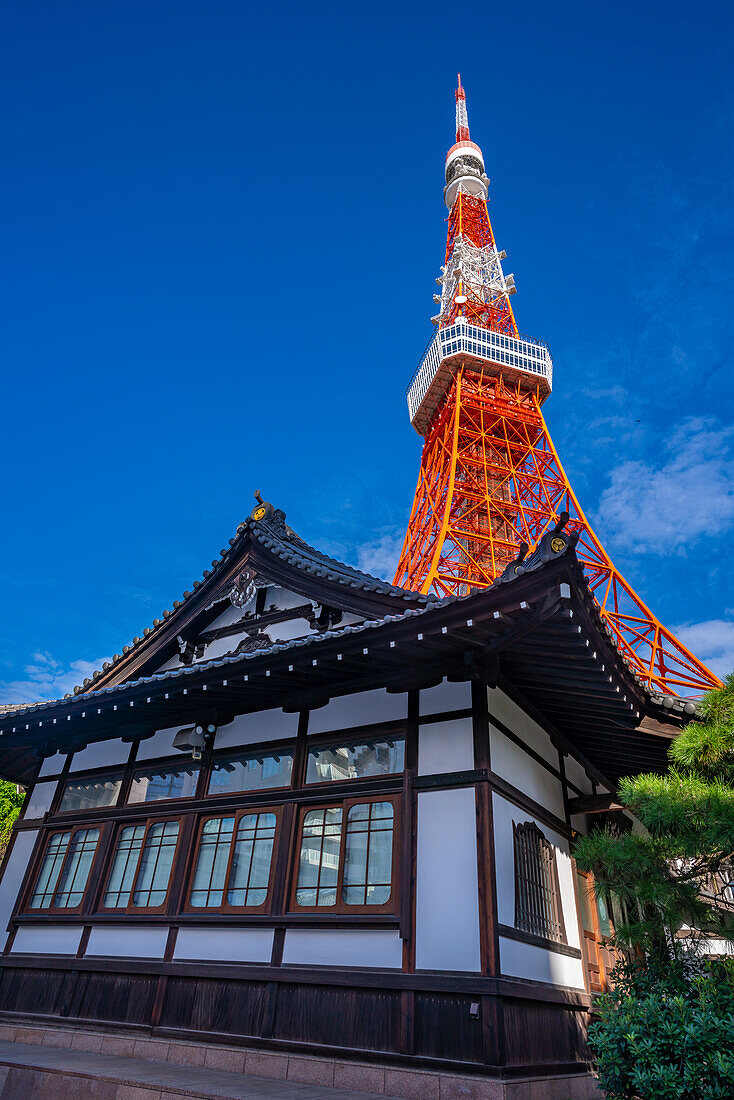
point(451, 1029)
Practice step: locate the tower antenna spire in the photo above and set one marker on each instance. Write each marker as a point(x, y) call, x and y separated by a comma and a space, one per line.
point(462, 119)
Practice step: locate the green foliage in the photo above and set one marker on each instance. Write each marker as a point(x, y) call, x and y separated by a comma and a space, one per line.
point(671, 873)
point(666, 1029)
point(662, 1036)
point(10, 803)
point(708, 748)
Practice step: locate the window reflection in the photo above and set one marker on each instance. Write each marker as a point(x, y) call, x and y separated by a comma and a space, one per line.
point(355, 760)
point(90, 794)
point(151, 784)
point(252, 771)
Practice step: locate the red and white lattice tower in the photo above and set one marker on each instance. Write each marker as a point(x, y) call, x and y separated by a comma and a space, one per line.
point(490, 476)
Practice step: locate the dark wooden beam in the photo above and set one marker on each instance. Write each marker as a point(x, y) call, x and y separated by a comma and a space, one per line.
point(594, 804)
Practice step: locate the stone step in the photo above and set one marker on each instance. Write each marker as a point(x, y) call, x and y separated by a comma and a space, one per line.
point(66, 1063)
point(65, 1073)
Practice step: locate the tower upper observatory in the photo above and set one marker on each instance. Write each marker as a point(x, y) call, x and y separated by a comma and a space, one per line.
point(464, 160)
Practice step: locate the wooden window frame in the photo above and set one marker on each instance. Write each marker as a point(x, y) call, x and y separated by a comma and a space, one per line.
point(139, 768)
point(57, 910)
point(266, 749)
point(225, 907)
point(130, 909)
point(341, 908)
point(531, 897)
point(342, 739)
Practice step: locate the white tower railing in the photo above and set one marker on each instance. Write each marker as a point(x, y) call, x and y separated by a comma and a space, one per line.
point(517, 359)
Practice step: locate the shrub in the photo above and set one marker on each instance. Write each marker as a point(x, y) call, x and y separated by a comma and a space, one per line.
point(11, 799)
point(661, 1034)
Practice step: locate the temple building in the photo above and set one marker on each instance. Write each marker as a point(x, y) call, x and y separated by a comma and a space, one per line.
point(307, 811)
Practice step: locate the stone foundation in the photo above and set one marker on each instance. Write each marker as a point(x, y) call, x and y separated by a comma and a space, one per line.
point(64, 1082)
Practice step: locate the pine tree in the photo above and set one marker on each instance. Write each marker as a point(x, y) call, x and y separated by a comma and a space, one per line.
point(675, 872)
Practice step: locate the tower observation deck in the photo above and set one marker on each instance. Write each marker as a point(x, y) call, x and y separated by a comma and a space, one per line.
point(490, 477)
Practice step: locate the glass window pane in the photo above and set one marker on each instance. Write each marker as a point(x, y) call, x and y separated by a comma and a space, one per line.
point(605, 927)
point(251, 772)
point(584, 903)
point(318, 862)
point(355, 760)
point(73, 878)
point(207, 888)
point(150, 784)
point(50, 868)
point(330, 861)
point(253, 853)
point(156, 861)
point(124, 864)
point(90, 794)
point(355, 864)
point(368, 854)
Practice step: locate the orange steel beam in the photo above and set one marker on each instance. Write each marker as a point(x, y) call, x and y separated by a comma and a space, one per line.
point(491, 478)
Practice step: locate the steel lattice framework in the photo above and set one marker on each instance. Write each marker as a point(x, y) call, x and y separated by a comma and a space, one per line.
point(490, 476)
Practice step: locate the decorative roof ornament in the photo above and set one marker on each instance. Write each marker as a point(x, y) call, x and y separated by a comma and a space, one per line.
point(246, 585)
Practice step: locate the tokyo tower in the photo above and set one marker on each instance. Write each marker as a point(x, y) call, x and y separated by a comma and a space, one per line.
point(490, 478)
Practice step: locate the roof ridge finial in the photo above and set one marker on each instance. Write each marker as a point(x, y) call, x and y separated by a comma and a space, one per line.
point(462, 120)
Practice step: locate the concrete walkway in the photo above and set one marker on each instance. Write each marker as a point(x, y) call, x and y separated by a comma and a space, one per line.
point(32, 1072)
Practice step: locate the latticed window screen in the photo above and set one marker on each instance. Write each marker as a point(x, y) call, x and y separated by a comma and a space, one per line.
point(537, 894)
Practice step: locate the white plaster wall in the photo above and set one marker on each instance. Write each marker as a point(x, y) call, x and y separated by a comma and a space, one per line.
point(283, 599)
point(291, 628)
point(14, 869)
point(137, 941)
point(232, 615)
point(50, 940)
point(505, 814)
point(525, 960)
point(444, 696)
point(225, 944)
point(576, 775)
point(173, 662)
point(221, 646)
point(349, 619)
point(353, 947)
point(513, 764)
point(40, 800)
point(521, 724)
point(161, 744)
point(100, 755)
point(52, 765)
point(447, 898)
point(719, 947)
point(253, 729)
point(358, 710)
point(446, 747)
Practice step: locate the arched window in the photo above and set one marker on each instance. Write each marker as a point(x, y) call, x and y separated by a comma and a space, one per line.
point(538, 909)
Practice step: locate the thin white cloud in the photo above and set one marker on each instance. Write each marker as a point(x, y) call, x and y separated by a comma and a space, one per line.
point(712, 642)
point(45, 679)
point(380, 557)
point(618, 395)
point(689, 496)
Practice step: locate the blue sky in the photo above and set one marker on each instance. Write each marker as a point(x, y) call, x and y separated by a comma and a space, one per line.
point(221, 226)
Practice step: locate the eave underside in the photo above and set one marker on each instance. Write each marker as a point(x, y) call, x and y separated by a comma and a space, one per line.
point(540, 633)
